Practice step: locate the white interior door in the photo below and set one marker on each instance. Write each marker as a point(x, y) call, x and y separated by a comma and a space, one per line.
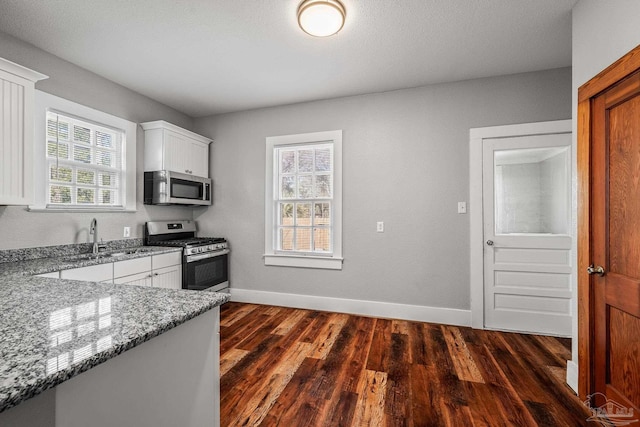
point(527, 241)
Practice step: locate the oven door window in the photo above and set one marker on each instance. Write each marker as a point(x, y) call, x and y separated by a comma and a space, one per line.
point(183, 189)
point(206, 272)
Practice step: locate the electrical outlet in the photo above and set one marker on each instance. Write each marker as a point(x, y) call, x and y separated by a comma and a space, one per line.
point(127, 232)
point(380, 227)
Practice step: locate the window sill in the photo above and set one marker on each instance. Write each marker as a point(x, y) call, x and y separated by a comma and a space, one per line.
point(302, 261)
point(74, 209)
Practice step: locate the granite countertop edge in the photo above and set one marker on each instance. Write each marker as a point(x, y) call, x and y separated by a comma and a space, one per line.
point(32, 267)
point(50, 381)
point(20, 276)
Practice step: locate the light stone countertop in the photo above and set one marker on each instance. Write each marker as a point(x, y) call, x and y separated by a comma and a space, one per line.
point(54, 329)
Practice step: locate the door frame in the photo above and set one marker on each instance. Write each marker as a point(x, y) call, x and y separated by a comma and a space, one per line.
point(476, 207)
point(622, 68)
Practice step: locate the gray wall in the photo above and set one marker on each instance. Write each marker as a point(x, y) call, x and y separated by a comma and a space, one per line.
point(602, 32)
point(405, 163)
point(20, 228)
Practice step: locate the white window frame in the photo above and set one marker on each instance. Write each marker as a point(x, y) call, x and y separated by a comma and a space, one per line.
point(46, 102)
point(273, 257)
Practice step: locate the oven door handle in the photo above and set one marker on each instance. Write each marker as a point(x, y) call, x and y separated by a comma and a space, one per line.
point(192, 258)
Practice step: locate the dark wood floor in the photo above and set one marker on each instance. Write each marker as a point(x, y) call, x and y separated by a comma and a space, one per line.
point(292, 368)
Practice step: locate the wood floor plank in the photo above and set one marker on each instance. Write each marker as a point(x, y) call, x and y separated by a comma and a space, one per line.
point(352, 345)
point(230, 315)
point(292, 410)
point(370, 405)
point(327, 335)
point(289, 322)
point(263, 331)
point(419, 345)
point(295, 368)
point(463, 362)
point(380, 353)
point(425, 399)
point(398, 398)
point(255, 408)
point(484, 405)
point(507, 395)
point(400, 327)
point(240, 329)
point(230, 358)
point(555, 347)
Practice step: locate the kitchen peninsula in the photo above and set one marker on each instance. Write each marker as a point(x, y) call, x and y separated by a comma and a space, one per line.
point(86, 353)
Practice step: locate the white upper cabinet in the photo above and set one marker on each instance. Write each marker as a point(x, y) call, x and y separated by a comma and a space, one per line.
point(169, 147)
point(17, 85)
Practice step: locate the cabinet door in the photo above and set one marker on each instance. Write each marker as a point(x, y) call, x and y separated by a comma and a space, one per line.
point(16, 121)
point(166, 260)
point(140, 279)
point(199, 159)
point(132, 266)
point(184, 155)
point(168, 277)
point(93, 273)
point(176, 152)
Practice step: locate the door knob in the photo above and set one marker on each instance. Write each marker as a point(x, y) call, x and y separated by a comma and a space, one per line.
point(490, 242)
point(598, 269)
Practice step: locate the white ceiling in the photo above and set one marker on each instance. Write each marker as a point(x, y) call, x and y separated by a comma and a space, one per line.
point(206, 57)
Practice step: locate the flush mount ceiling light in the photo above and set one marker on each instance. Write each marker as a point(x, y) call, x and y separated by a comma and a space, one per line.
point(321, 18)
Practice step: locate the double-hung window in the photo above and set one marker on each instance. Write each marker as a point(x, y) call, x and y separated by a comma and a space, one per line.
point(84, 163)
point(84, 158)
point(303, 217)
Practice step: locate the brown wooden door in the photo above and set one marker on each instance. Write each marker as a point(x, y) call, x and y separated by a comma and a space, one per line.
point(615, 242)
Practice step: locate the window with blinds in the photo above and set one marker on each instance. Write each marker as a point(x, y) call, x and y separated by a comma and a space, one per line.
point(305, 198)
point(84, 163)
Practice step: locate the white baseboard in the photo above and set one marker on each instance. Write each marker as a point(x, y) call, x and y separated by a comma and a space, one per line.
point(418, 313)
point(572, 375)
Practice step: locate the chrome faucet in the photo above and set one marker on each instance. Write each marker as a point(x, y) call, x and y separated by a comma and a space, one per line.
point(93, 229)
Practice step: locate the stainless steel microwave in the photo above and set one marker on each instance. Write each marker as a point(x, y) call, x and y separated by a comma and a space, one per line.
point(173, 188)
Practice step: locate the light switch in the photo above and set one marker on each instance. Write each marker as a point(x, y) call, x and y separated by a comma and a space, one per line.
point(462, 207)
point(380, 227)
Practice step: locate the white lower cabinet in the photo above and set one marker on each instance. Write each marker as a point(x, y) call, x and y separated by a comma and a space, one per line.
point(167, 270)
point(131, 267)
point(93, 273)
point(168, 277)
point(140, 279)
point(160, 271)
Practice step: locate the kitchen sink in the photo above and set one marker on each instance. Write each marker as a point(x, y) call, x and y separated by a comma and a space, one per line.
point(83, 257)
point(102, 255)
point(128, 252)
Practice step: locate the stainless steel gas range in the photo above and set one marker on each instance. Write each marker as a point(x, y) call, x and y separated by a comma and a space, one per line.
point(205, 260)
